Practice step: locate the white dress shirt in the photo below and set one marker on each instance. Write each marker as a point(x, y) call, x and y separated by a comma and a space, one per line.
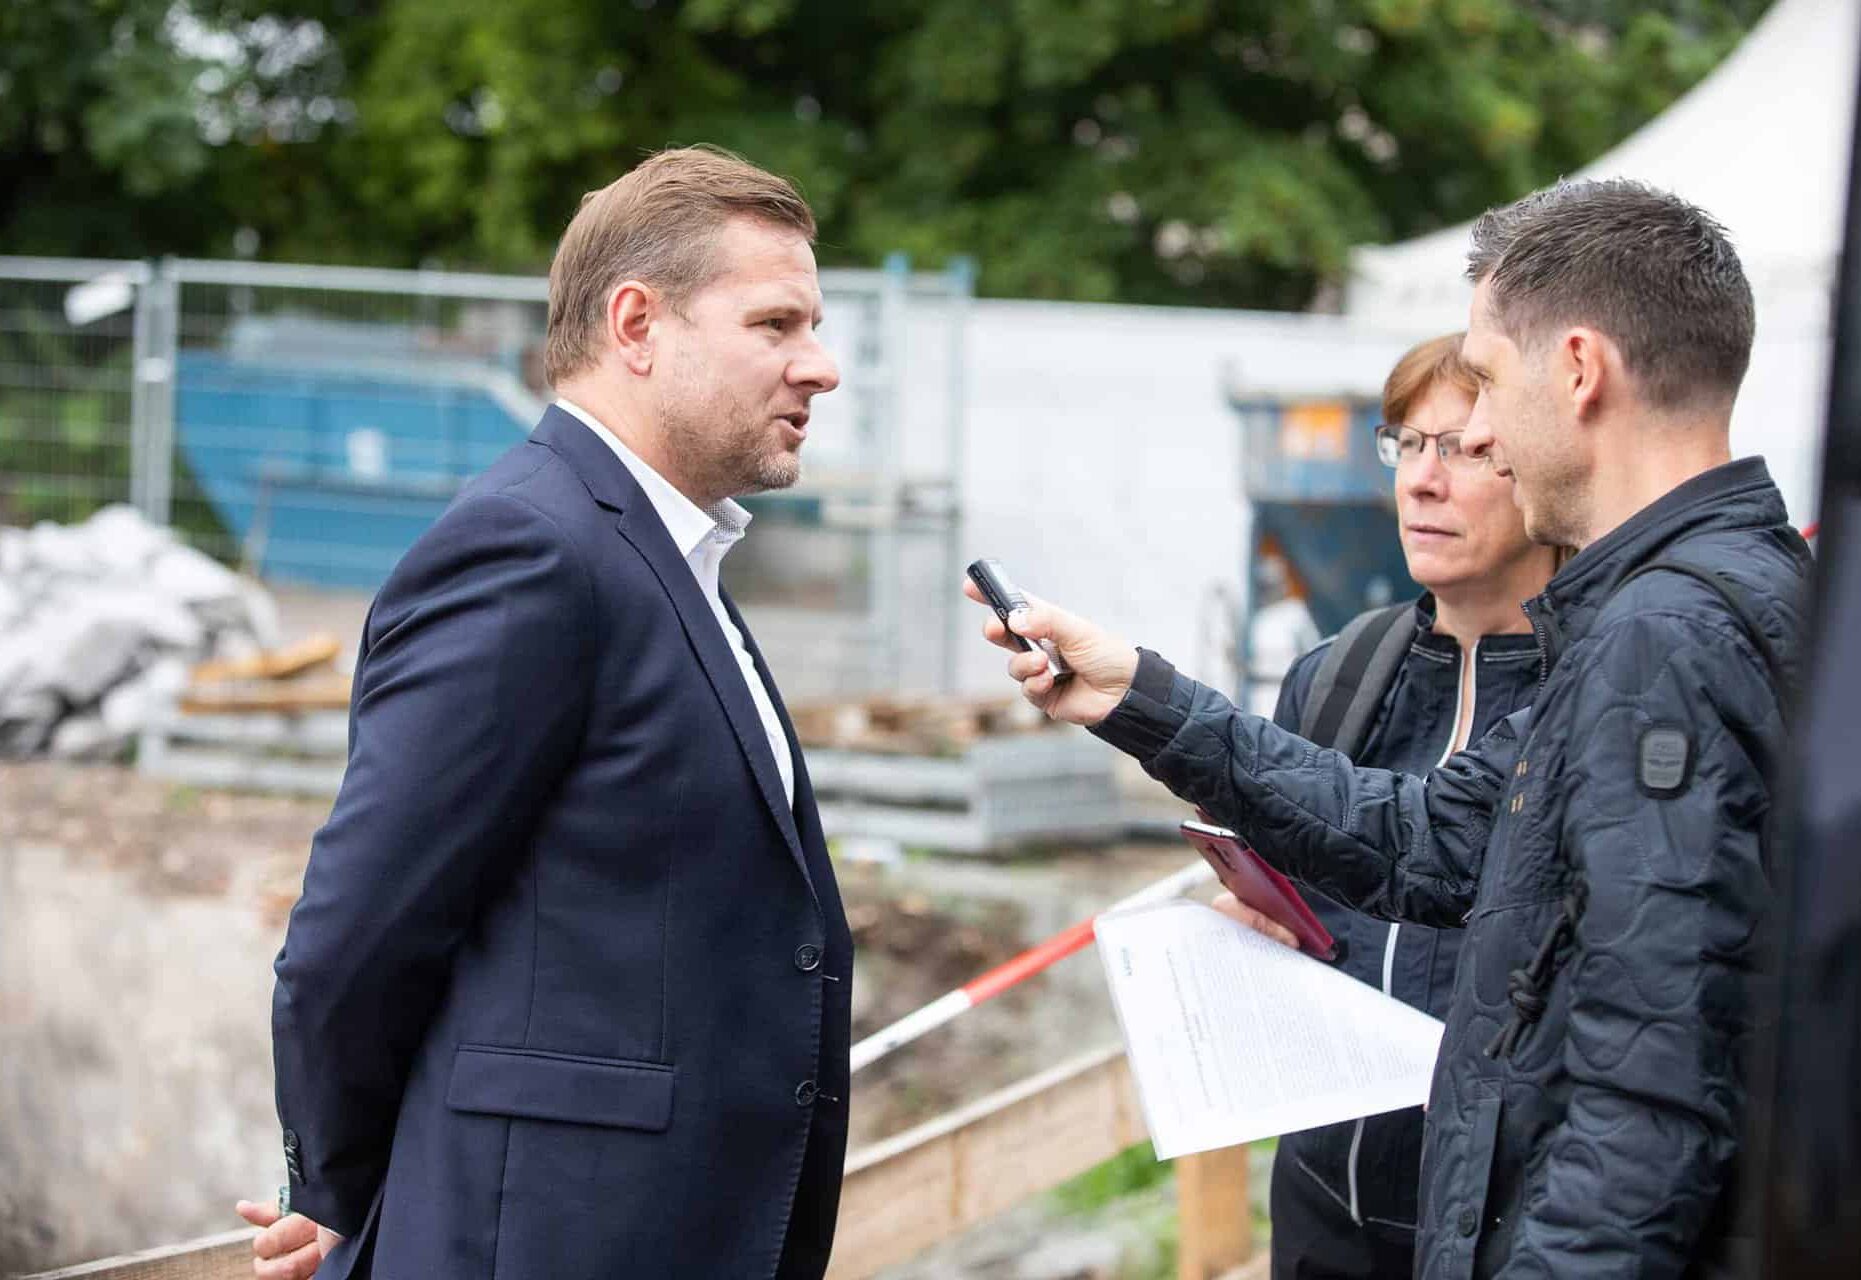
point(703, 537)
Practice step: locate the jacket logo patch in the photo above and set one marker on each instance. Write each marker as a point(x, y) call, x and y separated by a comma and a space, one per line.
point(1664, 761)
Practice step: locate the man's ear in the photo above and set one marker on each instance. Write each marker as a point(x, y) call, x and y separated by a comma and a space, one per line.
point(1589, 370)
point(633, 315)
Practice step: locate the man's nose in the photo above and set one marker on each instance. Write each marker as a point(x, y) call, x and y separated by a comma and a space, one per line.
point(815, 369)
point(1476, 439)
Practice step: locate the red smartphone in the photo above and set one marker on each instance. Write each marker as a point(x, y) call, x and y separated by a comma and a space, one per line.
point(1246, 875)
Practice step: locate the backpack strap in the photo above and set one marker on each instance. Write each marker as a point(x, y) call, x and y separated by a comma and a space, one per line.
point(1354, 677)
point(1722, 586)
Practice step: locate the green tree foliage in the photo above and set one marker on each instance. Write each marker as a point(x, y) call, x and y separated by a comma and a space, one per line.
point(1175, 151)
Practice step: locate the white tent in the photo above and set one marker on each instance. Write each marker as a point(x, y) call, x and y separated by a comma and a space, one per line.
point(1762, 143)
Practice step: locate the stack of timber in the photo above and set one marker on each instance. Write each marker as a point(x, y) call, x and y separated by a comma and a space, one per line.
point(957, 775)
point(277, 721)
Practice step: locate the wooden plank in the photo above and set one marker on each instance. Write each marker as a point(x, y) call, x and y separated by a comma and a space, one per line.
point(327, 693)
point(221, 1257)
point(273, 664)
point(1214, 1215)
point(906, 1194)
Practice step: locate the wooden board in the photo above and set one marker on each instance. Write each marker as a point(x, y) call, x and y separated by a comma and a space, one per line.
point(326, 693)
point(221, 1257)
point(1214, 1215)
point(929, 1183)
point(887, 725)
point(273, 664)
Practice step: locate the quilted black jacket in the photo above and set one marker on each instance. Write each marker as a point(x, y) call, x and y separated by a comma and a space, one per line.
point(1632, 795)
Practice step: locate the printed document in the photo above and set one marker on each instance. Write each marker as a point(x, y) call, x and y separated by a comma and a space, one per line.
point(1233, 1037)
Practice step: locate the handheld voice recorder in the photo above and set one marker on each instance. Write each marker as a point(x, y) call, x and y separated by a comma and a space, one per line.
point(1004, 597)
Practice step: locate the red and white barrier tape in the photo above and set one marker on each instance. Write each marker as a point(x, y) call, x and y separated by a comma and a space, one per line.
point(1030, 962)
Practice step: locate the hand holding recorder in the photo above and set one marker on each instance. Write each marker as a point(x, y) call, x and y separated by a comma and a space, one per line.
point(1094, 668)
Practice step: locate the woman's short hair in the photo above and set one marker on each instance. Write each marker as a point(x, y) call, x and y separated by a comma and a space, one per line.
point(1422, 368)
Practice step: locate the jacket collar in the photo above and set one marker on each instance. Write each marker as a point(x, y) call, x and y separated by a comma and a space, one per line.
point(598, 467)
point(687, 522)
point(1440, 643)
point(1735, 495)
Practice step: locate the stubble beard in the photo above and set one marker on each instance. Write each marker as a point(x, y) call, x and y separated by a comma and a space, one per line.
point(762, 459)
point(1553, 506)
point(729, 449)
point(1554, 499)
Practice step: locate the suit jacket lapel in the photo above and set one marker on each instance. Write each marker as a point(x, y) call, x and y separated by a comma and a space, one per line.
point(720, 665)
point(804, 786)
point(612, 485)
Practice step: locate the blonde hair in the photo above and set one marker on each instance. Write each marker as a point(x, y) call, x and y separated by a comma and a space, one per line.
point(658, 224)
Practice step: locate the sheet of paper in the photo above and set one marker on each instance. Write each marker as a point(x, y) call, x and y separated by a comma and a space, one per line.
point(1232, 1037)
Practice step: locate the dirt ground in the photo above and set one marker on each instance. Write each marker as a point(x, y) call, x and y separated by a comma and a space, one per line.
point(138, 921)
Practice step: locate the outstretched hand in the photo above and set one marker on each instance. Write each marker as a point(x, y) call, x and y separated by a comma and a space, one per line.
point(1102, 665)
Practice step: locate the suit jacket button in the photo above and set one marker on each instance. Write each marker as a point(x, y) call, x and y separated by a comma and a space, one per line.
point(807, 957)
point(1469, 1220)
point(805, 1093)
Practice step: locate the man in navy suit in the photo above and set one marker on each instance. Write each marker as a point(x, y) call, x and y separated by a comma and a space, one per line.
point(567, 993)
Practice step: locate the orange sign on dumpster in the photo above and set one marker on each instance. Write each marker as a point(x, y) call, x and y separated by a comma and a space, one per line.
point(1318, 429)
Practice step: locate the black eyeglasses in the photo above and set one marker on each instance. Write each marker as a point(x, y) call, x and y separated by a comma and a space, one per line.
point(1397, 444)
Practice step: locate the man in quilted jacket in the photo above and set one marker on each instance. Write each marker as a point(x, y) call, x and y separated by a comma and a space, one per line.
point(1606, 847)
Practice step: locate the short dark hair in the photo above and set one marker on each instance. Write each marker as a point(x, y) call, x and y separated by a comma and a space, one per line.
point(1656, 274)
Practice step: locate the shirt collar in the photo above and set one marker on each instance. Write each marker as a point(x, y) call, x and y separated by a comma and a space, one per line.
point(687, 522)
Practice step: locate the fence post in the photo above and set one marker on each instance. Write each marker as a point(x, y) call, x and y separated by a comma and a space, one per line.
point(159, 373)
point(155, 338)
point(1214, 1215)
point(139, 393)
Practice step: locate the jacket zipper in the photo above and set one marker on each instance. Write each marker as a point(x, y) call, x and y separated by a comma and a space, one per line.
point(1389, 943)
point(1537, 633)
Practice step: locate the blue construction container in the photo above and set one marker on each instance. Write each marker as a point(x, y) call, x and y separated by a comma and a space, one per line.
point(324, 474)
point(1321, 499)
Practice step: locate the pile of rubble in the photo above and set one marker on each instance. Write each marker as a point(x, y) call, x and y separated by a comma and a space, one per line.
point(101, 624)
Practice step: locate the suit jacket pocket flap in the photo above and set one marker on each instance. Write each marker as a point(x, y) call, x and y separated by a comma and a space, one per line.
point(539, 1085)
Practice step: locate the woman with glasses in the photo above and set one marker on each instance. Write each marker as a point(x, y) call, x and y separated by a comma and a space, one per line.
point(1344, 1196)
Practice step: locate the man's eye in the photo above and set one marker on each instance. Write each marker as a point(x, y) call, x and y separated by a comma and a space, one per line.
point(777, 324)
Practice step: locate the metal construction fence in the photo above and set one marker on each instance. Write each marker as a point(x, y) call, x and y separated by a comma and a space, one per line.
point(306, 423)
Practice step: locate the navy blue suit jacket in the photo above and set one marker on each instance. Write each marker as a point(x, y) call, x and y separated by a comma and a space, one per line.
point(567, 993)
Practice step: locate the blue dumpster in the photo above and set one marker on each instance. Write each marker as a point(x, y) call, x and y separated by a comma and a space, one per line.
point(324, 475)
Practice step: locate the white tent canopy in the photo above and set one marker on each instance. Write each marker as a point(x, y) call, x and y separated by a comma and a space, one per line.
point(1762, 143)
